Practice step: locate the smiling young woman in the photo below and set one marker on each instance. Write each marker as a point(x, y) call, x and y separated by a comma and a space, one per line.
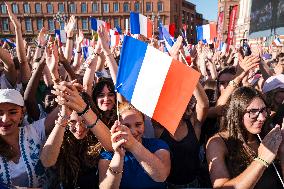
point(20, 145)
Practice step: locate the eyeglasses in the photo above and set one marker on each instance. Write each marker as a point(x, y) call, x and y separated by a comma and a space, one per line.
point(254, 113)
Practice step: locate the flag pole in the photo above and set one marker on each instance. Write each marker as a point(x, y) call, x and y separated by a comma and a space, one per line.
point(274, 167)
point(184, 58)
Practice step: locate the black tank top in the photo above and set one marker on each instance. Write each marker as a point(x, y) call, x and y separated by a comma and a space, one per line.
point(185, 162)
point(269, 178)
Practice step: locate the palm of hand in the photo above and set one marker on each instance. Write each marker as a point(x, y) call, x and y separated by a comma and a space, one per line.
point(71, 25)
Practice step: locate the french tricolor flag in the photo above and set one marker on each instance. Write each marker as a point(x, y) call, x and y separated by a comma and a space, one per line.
point(61, 34)
point(155, 83)
point(169, 42)
point(114, 38)
point(206, 33)
point(117, 30)
point(140, 24)
point(277, 42)
point(95, 24)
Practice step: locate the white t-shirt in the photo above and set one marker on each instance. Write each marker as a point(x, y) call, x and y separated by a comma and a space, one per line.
point(18, 172)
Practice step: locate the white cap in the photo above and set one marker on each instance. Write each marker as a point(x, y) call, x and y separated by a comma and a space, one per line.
point(11, 96)
point(273, 82)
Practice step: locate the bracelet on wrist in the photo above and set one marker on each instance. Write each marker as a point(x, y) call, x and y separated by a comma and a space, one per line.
point(61, 124)
point(84, 111)
point(79, 51)
point(63, 117)
point(94, 124)
point(114, 171)
point(233, 83)
point(262, 161)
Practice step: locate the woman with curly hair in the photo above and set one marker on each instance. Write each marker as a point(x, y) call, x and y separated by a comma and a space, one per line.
point(236, 157)
point(76, 141)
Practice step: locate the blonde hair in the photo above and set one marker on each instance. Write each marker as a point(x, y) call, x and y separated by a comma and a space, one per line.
point(126, 106)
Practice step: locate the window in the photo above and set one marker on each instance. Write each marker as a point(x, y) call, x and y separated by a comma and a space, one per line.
point(3, 9)
point(49, 8)
point(116, 22)
point(15, 8)
point(51, 24)
point(85, 23)
point(106, 7)
point(95, 7)
point(39, 24)
point(116, 7)
point(125, 7)
point(61, 7)
point(27, 8)
point(160, 6)
point(5, 24)
point(28, 23)
point(38, 8)
point(148, 6)
point(84, 8)
point(137, 7)
point(72, 8)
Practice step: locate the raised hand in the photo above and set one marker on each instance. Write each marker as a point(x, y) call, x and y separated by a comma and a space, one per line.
point(249, 62)
point(69, 96)
point(174, 51)
point(269, 146)
point(70, 26)
point(117, 139)
point(52, 58)
point(41, 37)
point(13, 18)
point(103, 39)
point(79, 38)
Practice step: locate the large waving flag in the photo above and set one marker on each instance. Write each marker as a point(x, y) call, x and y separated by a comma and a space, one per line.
point(169, 42)
point(206, 33)
point(155, 83)
point(140, 24)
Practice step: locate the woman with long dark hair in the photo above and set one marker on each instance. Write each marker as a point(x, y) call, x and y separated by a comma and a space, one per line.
point(236, 156)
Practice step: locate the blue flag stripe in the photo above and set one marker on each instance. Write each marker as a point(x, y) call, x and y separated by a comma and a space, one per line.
point(94, 25)
point(129, 66)
point(134, 23)
point(199, 30)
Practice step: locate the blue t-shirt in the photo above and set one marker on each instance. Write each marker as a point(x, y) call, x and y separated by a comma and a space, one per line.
point(134, 175)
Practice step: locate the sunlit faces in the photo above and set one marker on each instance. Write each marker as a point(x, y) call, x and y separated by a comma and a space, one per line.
point(224, 80)
point(135, 122)
point(106, 99)
point(255, 116)
point(11, 116)
point(77, 126)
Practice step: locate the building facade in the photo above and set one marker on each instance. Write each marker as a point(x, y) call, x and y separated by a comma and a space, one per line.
point(35, 14)
point(226, 6)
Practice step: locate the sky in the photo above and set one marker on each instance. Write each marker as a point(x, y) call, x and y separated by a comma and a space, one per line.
point(209, 8)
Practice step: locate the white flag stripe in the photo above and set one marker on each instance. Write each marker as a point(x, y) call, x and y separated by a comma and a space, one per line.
point(143, 27)
point(206, 32)
point(150, 80)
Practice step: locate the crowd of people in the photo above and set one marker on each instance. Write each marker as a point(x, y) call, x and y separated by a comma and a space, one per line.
point(62, 124)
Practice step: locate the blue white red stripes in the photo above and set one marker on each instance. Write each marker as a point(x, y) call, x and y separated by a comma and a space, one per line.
point(140, 24)
point(155, 83)
point(206, 33)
